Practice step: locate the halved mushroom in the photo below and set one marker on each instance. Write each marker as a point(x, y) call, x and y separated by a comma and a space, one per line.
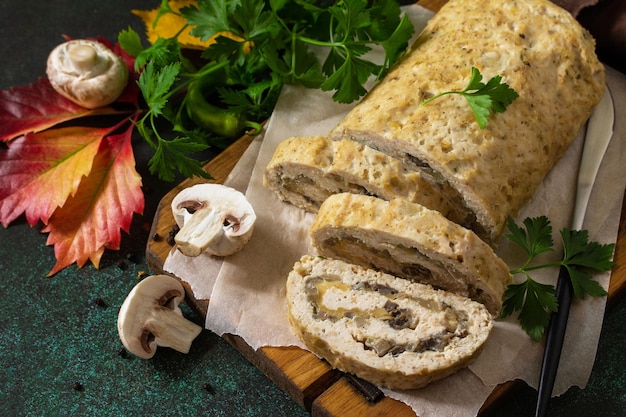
point(150, 317)
point(87, 72)
point(213, 218)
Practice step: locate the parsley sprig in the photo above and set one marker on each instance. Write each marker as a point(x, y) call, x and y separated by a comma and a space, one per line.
point(483, 99)
point(170, 154)
point(260, 46)
point(535, 301)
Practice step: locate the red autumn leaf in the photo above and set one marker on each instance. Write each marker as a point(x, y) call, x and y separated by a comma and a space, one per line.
point(37, 107)
point(39, 171)
point(104, 204)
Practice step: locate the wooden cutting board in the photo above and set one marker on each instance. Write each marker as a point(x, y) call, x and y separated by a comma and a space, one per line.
point(311, 382)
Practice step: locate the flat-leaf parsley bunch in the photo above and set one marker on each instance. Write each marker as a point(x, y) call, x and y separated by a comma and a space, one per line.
point(536, 301)
point(257, 46)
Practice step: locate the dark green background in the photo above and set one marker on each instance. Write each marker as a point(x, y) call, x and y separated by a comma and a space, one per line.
point(54, 334)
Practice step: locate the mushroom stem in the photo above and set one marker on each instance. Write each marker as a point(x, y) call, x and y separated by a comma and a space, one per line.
point(171, 329)
point(84, 57)
point(199, 232)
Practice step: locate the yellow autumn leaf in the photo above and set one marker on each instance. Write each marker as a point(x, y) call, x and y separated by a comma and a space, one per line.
point(170, 24)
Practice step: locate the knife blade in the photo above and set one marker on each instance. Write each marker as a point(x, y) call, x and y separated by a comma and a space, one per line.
point(597, 139)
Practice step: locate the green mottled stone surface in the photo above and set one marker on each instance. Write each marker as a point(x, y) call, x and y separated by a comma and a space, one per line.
point(53, 333)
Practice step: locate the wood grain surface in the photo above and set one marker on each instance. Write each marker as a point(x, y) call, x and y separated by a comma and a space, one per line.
point(311, 382)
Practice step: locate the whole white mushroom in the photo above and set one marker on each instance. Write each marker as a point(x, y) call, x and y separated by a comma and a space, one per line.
point(87, 72)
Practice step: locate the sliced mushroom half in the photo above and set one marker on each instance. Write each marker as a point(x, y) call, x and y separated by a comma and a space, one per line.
point(212, 218)
point(150, 317)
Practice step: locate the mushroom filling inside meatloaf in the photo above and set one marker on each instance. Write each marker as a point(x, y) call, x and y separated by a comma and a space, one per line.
point(315, 191)
point(400, 261)
point(384, 319)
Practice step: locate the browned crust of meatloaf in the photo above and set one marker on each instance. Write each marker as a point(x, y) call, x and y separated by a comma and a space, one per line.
point(538, 49)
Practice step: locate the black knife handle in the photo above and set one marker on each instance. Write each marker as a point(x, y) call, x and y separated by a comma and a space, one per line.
point(554, 342)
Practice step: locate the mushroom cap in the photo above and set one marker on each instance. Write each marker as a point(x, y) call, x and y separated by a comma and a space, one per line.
point(150, 317)
point(87, 72)
point(213, 218)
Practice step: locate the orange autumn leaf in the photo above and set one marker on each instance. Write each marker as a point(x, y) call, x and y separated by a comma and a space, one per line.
point(168, 25)
point(103, 205)
point(39, 171)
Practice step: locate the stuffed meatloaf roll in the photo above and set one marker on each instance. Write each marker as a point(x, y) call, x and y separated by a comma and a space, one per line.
point(538, 49)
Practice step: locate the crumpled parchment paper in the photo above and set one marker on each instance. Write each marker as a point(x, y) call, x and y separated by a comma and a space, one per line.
point(247, 290)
